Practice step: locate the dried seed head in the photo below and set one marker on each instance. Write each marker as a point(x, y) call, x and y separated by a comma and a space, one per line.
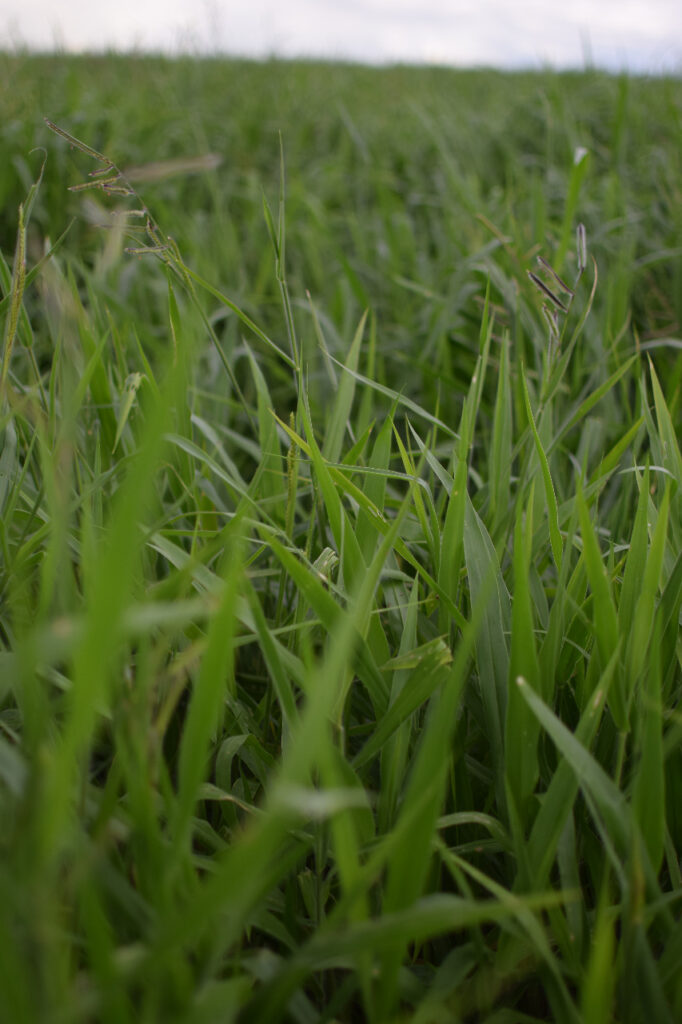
point(561, 284)
point(547, 292)
point(111, 169)
point(141, 250)
point(102, 183)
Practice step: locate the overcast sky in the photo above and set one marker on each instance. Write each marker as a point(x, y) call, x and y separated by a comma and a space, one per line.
point(637, 35)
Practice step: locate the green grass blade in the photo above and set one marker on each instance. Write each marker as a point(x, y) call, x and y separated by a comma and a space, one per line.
point(339, 418)
point(492, 655)
point(214, 682)
point(604, 611)
point(563, 788)
point(641, 622)
point(330, 613)
point(426, 673)
point(521, 728)
point(592, 777)
point(501, 452)
point(424, 794)
point(649, 787)
point(550, 494)
point(375, 489)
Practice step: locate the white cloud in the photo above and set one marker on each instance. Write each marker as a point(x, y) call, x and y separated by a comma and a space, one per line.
point(631, 33)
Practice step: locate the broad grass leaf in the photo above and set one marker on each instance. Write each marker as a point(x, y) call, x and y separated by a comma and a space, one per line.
point(521, 726)
point(428, 523)
point(429, 672)
point(434, 915)
point(132, 385)
point(649, 798)
point(452, 538)
point(268, 482)
point(339, 418)
point(375, 489)
point(561, 792)
point(649, 581)
point(606, 796)
point(501, 450)
point(395, 749)
point(599, 980)
point(636, 561)
point(492, 654)
point(603, 610)
point(550, 495)
point(667, 436)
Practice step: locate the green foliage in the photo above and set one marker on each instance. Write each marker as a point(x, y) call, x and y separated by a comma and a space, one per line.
point(340, 544)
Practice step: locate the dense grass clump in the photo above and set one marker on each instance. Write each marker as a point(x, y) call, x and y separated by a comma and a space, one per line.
point(340, 544)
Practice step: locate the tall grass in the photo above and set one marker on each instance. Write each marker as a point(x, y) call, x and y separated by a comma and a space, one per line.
point(341, 545)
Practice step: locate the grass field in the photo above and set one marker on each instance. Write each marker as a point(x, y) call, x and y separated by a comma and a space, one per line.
point(340, 559)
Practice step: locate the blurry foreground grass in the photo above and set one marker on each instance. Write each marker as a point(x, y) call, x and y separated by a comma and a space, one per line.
point(340, 560)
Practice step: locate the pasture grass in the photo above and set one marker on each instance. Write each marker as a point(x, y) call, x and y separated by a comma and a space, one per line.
point(340, 559)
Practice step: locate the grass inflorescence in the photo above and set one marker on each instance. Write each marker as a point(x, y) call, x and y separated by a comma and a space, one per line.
point(340, 545)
